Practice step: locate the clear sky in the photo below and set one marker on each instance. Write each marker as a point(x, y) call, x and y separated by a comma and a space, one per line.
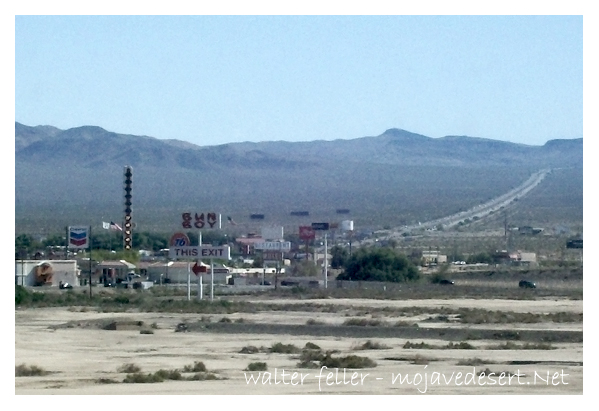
point(217, 79)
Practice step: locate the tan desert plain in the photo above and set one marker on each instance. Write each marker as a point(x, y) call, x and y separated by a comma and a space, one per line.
point(287, 343)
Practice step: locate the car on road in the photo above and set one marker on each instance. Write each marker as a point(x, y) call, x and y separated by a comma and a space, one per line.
point(447, 282)
point(527, 284)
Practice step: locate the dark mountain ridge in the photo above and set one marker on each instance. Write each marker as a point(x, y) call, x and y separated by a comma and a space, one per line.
point(395, 177)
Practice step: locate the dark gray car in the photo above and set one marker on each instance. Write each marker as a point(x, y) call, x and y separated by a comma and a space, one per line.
point(526, 284)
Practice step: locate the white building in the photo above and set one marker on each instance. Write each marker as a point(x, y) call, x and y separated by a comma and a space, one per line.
point(46, 272)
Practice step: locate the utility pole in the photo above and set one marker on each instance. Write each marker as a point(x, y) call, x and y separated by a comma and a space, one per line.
point(90, 262)
point(326, 262)
point(505, 231)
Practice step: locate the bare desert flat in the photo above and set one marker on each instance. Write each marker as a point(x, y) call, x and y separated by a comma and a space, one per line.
point(373, 347)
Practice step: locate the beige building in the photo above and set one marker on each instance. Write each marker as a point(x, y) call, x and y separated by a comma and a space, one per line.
point(111, 270)
point(433, 257)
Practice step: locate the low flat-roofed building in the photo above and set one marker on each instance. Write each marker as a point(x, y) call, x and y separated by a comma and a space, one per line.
point(47, 273)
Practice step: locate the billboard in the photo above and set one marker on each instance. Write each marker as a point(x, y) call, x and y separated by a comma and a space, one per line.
point(273, 245)
point(272, 233)
point(320, 226)
point(306, 233)
point(200, 220)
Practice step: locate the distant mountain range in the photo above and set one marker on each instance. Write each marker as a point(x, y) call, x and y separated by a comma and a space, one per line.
point(75, 176)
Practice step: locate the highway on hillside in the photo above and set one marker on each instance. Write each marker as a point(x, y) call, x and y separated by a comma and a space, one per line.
point(480, 211)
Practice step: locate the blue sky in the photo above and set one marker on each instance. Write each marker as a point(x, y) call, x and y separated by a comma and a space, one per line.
point(218, 79)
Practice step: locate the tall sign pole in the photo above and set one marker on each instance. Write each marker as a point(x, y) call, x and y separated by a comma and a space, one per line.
point(90, 262)
point(188, 282)
point(326, 262)
point(211, 280)
point(128, 224)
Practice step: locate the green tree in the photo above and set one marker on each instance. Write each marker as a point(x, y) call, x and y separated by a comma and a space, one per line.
point(258, 262)
point(379, 264)
point(24, 241)
point(339, 256)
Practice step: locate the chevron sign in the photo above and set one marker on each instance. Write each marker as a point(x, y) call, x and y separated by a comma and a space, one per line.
point(79, 237)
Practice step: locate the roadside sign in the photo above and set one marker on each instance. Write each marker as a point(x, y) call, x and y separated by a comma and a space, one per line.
point(200, 220)
point(199, 251)
point(320, 226)
point(273, 245)
point(179, 240)
point(79, 237)
point(199, 268)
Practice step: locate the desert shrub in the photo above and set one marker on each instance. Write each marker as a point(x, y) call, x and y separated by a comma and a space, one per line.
point(311, 355)
point(21, 295)
point(462, 345)
point(307, 364)
point(402, 323)
point(284, 348)
point(420, 360)
point(203, 376)
point(106, 381)
point(198, 366)
point(421, 345)
point(508, 345)
point(416, 359)
point(163, 375)
point(472, 362)
point(121, 299)
point(350, 361)
point(129, 368)
point(168, 374)
point(312, 321)
point(364, 322)
point(256, 366)
point(225, 320)
point(450, 346)
point(23, 370)
point(370, 345)
point(146, 331)
point(139, 378)
point(249, 349)
point(507, 335)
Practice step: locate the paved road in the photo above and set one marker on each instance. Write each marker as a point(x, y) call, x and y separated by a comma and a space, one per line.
point(480, 211)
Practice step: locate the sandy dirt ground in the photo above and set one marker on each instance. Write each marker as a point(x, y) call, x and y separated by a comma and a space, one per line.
point(82, 359)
